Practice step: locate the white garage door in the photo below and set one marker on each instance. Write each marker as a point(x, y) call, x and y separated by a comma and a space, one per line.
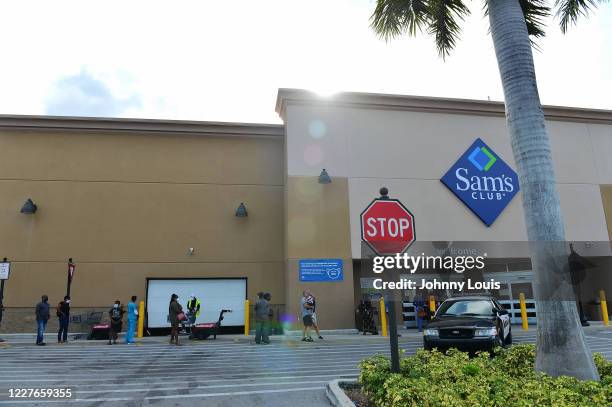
point(214, 294)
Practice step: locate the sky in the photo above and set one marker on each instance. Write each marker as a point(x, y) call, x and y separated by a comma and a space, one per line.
point(224, 61)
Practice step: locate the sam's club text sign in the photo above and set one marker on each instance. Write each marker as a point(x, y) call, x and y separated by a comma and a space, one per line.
point(483, 181)
point(321, 270)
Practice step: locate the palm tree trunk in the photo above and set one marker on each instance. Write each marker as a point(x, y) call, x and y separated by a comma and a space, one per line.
point(561, 348)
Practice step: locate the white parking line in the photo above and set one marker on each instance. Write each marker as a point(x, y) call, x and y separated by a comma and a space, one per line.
point(120, 378)
point(142, 390)
point(194, 369)
point(238, 382)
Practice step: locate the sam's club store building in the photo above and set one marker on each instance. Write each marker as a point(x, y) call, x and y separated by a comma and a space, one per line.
point(226, 210)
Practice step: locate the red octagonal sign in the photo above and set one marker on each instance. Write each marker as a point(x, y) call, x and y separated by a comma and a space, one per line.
point(387, 226)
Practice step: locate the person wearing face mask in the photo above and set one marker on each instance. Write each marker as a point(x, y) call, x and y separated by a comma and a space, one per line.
point(63, 314)
point(175, 316)
point(193, 308)
point(42, 316)
point(116, 321)
point(132, 319)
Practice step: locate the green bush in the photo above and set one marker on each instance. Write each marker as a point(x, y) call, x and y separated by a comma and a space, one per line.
point(431, 378)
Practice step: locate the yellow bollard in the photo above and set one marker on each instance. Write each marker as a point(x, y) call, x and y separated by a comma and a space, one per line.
point(383, 317)
point(246, 317)
point(140, 319)
point(523, 312)
point(604, 307)
point(432, 304)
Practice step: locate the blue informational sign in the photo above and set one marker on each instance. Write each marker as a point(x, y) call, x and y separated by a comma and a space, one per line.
point(321, 270)
point(483, 181)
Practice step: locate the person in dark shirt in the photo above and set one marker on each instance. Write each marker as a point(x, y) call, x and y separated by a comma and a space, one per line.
point(116, 322)
point(42, 316)
point(262, 318)
point(174, 310)
point(63, 314)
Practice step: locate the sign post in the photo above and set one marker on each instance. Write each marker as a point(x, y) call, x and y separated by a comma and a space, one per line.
point(387, 227)
point(71, 269)
point(5, 269)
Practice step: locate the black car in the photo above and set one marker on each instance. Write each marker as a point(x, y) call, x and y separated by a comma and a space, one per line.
point(468, 323)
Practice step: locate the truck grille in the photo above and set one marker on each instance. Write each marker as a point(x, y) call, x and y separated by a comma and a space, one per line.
point(456, 333)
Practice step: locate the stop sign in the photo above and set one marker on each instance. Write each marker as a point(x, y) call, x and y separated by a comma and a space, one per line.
point(387, 226)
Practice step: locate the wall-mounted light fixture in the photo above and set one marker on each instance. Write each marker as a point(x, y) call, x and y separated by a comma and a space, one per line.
point(241, 212)
point(324, 177)
point(29, 207)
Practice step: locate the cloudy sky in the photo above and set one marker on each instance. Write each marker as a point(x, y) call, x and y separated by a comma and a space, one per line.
point(224, 61)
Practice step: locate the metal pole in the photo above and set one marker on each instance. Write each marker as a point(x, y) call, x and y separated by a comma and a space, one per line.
point(2, 297)
point(523, 312)
point(247, 317)
point(395, 363)
point(383, 317)
point(141, 311)
point(69, 283)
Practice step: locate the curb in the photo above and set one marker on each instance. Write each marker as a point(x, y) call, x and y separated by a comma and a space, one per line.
point(336, 396)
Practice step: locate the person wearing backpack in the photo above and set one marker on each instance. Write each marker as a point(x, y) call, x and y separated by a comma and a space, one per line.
point(116, 321)
point(63, 314)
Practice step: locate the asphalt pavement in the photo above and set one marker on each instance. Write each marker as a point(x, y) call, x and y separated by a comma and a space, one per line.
point(231, 371)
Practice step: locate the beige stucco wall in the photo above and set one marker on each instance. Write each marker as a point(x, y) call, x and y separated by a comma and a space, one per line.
point(408, 143)
point(127, 206)
point(318, 227)
point(606, 197)
point(409, 151)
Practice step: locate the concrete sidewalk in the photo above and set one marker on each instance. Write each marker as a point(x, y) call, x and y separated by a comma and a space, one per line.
point(410, 333)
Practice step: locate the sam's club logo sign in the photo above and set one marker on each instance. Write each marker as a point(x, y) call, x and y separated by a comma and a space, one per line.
point(483, 181)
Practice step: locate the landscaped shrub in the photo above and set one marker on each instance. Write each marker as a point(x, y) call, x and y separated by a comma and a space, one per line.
point(455, 380)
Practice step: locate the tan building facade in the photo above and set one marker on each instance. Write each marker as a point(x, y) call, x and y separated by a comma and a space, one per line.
point(128, 199)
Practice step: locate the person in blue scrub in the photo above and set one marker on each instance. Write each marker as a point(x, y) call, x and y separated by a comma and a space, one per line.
point(132, 318)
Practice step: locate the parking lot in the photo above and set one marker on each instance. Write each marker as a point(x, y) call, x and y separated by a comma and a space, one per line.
point(230, 371)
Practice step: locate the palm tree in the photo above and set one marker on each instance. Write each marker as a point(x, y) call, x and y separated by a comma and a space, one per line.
point(561, 348)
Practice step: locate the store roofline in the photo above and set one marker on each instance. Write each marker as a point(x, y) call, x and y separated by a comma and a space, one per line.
point(130, 125)
point(381, 101)
point(285, 97)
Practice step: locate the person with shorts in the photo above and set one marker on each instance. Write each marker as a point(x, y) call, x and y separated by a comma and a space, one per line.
point(307, 311)
point(313, 302)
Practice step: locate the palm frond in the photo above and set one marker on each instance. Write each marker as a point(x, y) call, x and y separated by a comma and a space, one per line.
point(392, 18)
point(535, 11)
point(443, 24)
point(570, 10)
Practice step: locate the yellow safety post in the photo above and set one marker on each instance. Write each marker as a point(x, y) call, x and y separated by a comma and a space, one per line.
point(523, 312)
point(383, 317)
point(604, 307)
point(246, 317)
point(140, 319)
point(432, 304)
